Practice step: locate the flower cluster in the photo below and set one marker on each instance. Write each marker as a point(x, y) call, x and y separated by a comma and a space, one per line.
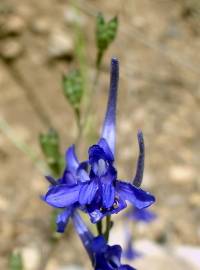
point(93, 187)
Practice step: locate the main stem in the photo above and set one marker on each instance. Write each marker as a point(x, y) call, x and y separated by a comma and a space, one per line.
point(108, 227)
point(99, 227)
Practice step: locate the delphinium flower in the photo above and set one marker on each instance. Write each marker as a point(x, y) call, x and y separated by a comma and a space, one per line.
point(129, 252)
point(93, 185)
point(137, 215)
point(141, 215)
point(102, 255)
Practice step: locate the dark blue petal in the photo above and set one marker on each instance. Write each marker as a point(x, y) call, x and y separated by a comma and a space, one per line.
point(137, 181)
point(68, 178)
point(99, 244)
point(138, 197)
point(87, 192)
point(126, 267)
point(71, 159)
point(108, 131)
point(116, 251)
point(95, 153)
point(104, 145)
point(51, 180)
point(62, 195)
point(108, 257)
point(108, 195)
point(63, 219)
point(143, 215)
point(82, 173)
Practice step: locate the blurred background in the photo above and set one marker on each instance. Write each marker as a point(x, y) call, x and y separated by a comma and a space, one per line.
point(158, 45)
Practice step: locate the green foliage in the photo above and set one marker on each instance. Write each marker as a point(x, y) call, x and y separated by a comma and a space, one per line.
point(73, 88)
point(105, 35)
point(50, 145)
point(15, 261)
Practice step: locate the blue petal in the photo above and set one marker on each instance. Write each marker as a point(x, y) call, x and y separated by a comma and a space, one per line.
point(108, 131)
point(63, 219)
point(143, 215)
point(51, 180)
point(95, 153)
point(87, 192)
point(108, 195)
point(96, 215)
point(104, 145)
point(99, 244)
point(129, 252)
point(82, 173)
point(126, 267)
point(84, 233)
point(138, 197)
point(62, 195)
point(109, 258)
point(68, 178)
point(137, 181)
point(116, 251)
point(71, 159)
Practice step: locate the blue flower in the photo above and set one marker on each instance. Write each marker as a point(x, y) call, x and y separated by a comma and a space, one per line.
point(102, 255)
point(93, 185)
point(141, 215)
point(130, 253)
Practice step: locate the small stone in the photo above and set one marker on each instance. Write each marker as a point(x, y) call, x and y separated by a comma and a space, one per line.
point(139, 21)
point(7, 229)
point(40, 26)
point(61, 45)
point(181, 174)
point(191, 254)
point(195, 199)
point(10, 49)
point(3, 204)
point(52, 264)
point(14, 25)
point(71, 16)
point(164, 262)
point(149, 248)
point(31, 258)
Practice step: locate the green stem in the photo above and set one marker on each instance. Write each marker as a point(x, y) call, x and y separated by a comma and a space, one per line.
point(99, 59)
point(99, 227)
point(108, 227)
point(22, 146)
point(79, 125)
